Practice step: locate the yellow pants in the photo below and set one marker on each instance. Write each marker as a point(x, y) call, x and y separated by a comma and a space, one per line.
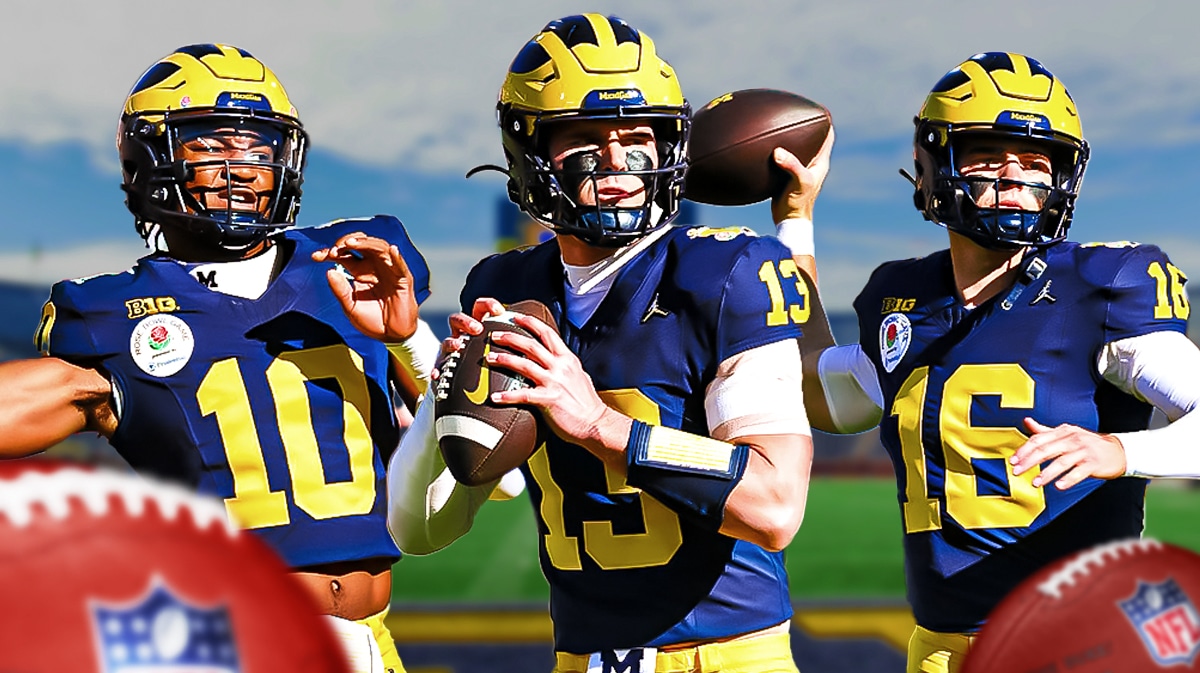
point(771, 653)
point(933, 652)
point(387, 646)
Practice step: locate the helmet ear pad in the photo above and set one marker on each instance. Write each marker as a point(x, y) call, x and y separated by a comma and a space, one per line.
point(929, 158)
point(144, 194)
point(528, 187)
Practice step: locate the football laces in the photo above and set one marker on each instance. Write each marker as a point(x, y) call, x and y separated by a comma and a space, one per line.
point(446, 375)
point(1095, 559)
point(53, 493)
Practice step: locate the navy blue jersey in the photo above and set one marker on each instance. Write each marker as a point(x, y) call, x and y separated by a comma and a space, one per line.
point(958, 384)
point(278, 404)
point(625, 570)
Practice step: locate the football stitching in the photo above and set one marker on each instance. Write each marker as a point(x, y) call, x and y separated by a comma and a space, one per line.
point(446, 374)
point(1079, 567)
point(55, 491)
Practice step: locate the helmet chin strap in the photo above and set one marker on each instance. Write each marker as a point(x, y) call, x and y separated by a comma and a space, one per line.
point(153, 235)
point(614, 263)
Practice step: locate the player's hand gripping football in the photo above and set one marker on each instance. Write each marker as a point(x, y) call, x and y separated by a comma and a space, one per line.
point(797, 199)
point(1074, 454)
point(561, 390)
point(379, 299)
point(463, 327)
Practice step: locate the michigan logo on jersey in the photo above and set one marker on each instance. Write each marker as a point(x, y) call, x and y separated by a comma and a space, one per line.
point(165, 634)
point(1167, 620)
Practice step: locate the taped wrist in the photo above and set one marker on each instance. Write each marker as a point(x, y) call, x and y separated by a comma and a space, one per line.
point(417, 354)
point(797, 234)
point(692, 475)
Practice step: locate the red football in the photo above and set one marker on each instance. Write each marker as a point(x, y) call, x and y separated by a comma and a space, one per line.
point(105, 571)
point(1128, 606)
point(480, 441)
point(733, 137)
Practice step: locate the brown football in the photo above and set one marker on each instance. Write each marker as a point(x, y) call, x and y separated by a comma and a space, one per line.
point(481, 441)
point(733, 137)
point(1130, 605)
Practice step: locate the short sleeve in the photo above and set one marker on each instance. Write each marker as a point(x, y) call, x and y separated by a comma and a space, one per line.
point(63, 331)
point(1147, 293)
point(764, 299)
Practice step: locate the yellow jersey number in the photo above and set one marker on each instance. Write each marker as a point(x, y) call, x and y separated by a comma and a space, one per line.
point(611, 551)
point(781, 311)
point(961, 444)
point(254, 505)
point(1172, 297)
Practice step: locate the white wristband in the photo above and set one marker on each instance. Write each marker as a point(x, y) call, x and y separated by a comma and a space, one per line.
point(418, 353)
point(797, 235)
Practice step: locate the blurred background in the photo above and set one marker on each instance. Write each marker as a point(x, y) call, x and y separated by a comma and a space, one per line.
point(399, 97)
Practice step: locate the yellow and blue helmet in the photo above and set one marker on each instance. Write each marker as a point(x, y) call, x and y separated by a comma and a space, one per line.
point(200, 90)
point(591, 66)
point(1010, 96)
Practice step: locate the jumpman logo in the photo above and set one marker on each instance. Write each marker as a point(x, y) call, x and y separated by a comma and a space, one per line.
point(1044, 294)
point(653, 310)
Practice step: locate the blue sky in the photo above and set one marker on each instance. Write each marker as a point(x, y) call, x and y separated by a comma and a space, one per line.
point(398, 98)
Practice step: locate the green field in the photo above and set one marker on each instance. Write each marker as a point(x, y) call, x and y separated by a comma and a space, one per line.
point(848, 547)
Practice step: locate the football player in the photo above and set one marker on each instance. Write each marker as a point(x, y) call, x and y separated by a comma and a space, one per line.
point(1013, 375)
point(231, 358)
point(678, 466)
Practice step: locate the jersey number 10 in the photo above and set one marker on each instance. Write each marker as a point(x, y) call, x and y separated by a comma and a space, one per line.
point(254, 505)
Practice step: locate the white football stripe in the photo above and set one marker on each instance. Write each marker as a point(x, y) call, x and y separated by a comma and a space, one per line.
point(469, 428)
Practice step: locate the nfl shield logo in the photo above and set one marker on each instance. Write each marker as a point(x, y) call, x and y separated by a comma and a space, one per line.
point(164, 634)
point(1167, 621)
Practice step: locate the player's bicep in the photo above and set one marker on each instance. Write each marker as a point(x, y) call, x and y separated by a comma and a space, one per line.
point(768, 503)
point(758, 392)
point(1162, 368)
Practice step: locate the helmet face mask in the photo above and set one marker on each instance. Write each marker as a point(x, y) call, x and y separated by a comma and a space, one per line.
point(592, 69)
point(1002, 100)
point(212, 151)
